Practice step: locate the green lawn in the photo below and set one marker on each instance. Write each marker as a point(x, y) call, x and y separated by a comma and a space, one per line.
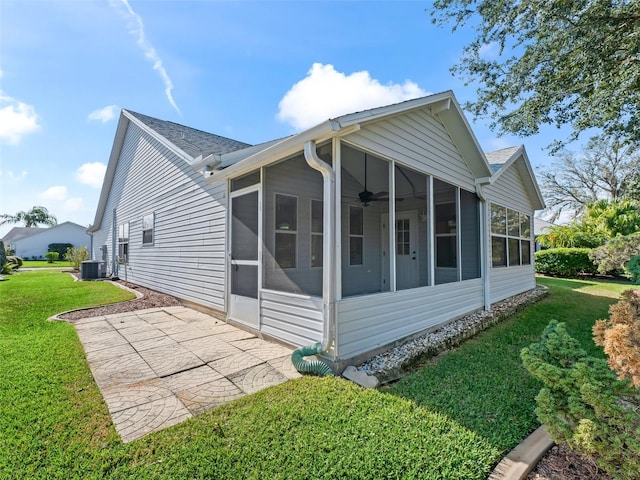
point(435, 424)
point(45, 264)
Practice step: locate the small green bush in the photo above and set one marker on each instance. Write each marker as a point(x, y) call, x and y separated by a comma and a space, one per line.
point(3, 257)
point(633, 267)
point(613, 256)
point(564, 262)
point(76, 255)
point(16, 261)
point(52, 256)
point(583, 404)
point(61, 248)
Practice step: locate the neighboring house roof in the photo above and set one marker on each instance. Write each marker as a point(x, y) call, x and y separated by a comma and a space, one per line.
point(38, 231)
point(540, 226)
point(16, 233)
point(502, 160)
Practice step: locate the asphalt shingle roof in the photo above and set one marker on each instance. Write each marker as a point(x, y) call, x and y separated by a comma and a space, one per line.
point(190, 140)
point(498, 158)
point(17, 233)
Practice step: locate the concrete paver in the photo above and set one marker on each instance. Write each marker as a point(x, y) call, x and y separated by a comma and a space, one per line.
point(157, 367)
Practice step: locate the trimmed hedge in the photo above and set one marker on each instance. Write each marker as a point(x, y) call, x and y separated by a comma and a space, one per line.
point(61, 248)
point(564, 262)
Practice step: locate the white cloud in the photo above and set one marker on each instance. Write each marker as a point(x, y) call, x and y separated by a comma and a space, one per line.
point(499, 144)
point(16, 119)
point(136, 28)
point(489, 50)
point(58, 192)
point(13, 175)
point(104, 114)
point(326, 93)
point(91, 174)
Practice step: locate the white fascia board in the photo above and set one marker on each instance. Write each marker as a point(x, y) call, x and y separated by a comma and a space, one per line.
point(531, 184)
point(284, 148)
point(395, 109)
point(180, 153)
point(464, 139)
point(121, 131)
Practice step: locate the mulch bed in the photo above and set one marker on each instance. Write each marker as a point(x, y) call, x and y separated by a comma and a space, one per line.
point(560, 463)
point(150, 299)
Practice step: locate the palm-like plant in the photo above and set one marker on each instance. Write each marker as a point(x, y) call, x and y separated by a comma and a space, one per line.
point(34, 217)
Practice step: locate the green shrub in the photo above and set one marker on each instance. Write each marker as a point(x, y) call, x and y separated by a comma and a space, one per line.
point(564, 262)
point(76, 255)
point(61, 248)
point(633, 267)
point(583, 404)
point(3, 257)
point(16, 261)
point(612, 257)
point(52, 256)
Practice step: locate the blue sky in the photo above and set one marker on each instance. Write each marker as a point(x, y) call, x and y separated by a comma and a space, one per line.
point(252, 71)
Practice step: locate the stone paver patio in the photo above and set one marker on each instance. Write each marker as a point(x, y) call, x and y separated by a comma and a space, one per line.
point(158, 367)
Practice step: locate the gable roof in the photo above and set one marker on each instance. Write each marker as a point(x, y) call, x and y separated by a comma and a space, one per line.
point(16, 233)
point(19, 233)
point(516, 157)
point(231, 157)
point(444, 105)
point(190, 140)
point(540, 226)
point(498, 158)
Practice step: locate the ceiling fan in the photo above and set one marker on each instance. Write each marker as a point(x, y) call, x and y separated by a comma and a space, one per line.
point(366, 197)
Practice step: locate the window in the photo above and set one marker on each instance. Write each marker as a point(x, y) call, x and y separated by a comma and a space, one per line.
point(286, 230)
point(356, 235)
point(147, 229)
point(123, 243)
point(510, 237)
point(316, 233)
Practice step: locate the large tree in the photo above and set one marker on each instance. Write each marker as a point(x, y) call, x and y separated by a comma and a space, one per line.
point(605, 170)
point(34, 217)
point(559, 62)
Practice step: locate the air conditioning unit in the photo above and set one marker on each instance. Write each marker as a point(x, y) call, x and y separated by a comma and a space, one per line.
point(89, 270)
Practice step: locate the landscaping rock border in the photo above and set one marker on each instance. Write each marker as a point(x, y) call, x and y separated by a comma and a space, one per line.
point(398, 361)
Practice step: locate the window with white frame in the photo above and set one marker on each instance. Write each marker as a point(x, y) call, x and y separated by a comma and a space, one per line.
point(147, 229)
point(286, 230)
point(356, 235)
point(316, 233)
point(510, 237)
point(123, 242)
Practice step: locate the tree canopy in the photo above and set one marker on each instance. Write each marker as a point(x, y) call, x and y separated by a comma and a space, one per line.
point(34, 217)
point(559, 63)
point(606, 169)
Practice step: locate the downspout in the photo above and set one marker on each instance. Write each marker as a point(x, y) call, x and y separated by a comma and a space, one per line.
point(114, 233)
point(328, 254)
point(484, 243)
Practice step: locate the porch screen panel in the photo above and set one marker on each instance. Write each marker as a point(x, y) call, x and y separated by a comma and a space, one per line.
point(446, 231)
point(292, 254)
point(244, 228)
point(470, 235)
point(364, 202)
point(412, 239)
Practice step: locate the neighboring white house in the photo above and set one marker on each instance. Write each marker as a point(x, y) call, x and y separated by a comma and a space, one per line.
point(33, 242)
point(357, 233)
point(540, 226)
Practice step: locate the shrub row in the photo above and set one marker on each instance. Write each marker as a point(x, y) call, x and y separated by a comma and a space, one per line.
point(564, 262)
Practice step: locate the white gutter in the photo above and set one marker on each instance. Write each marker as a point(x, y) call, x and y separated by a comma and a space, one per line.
point(328, 246)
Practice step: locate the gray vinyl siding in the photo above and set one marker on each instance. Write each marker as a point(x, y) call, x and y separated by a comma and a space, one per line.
point(509, 191)
point(420, 141)
point(373, 321)
point(187, 257)
point(295, 319)
point(293, 177)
